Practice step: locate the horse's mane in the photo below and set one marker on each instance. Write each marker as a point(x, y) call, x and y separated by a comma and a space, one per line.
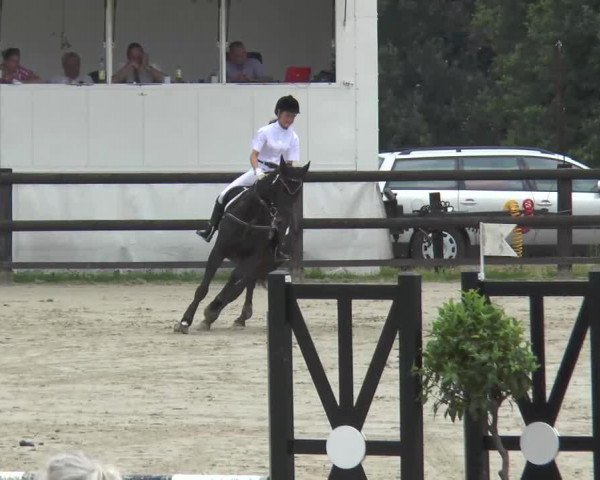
point(262, 186)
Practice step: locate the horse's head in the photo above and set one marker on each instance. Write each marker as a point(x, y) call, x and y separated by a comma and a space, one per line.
point(282, 186)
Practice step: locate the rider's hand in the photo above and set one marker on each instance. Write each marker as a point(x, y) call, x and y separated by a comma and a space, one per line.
point(259, 173)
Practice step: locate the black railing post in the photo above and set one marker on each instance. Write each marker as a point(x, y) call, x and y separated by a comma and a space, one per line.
point(437, 235)
point(6, 213)
point(476, 456)
point(411, 409)
point(565, 233)
point(281, 404)
point(297, 239)
point(594, 318)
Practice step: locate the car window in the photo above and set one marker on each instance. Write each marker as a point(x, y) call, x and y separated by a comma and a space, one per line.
point(585, 186)
point(423, 164)
point(533, 163)
point(536, 163)
point(492, 163)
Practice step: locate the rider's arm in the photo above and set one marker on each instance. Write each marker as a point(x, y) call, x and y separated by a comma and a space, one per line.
point(254, 162)
point(254, 159)
point(258, 143)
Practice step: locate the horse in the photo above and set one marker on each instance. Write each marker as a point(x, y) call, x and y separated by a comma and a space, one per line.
point(255, 223)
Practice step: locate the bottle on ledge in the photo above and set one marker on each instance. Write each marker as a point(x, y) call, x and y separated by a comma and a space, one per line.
point(101, 71)
point(178, 75)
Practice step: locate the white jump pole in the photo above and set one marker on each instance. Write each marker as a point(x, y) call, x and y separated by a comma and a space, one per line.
point(108, 41)
point(223, 39)
point(33, 476)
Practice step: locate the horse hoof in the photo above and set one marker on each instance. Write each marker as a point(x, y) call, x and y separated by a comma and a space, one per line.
point(239, 324)
point(211, 315)
point(204, 325)
point(181, 327)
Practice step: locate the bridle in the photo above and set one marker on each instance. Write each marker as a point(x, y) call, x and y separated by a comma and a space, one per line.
point(290, 190)
point(291, 185)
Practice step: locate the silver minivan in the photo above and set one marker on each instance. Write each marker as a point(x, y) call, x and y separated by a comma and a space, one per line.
point(486, 196)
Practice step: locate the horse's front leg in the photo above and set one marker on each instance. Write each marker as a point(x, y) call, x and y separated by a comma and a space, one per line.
point(214, 262)
point(233, 288)
point(247, 308)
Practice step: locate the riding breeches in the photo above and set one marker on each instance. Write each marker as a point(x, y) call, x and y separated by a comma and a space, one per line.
point(246, 180)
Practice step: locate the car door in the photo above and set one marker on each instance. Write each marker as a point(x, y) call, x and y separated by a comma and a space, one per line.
point(413, 195)
point(586, 201)
point(492, 195)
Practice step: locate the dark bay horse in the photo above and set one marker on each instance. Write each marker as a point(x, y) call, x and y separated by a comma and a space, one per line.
point(256, 220)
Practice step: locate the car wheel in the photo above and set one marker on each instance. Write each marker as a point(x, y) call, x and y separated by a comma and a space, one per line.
point(421, 245)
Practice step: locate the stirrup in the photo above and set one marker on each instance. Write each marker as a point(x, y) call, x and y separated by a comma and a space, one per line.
point(206, 234)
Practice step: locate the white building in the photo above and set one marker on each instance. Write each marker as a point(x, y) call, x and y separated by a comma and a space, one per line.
point(191, 126)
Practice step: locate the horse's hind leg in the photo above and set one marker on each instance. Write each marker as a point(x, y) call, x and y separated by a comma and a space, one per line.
point(214, 262)
point(232, 289)
point(247, 308)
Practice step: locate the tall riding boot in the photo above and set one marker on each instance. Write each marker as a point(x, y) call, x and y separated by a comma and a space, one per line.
point(213, 225)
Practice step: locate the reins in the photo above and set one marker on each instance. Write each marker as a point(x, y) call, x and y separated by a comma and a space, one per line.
point(271, 209)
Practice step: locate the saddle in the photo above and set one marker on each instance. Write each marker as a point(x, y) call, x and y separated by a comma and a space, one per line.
point(277, 231)
point(232, 194)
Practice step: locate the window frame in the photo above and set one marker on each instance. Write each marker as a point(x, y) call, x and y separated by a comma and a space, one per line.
point(555, 190)
point(526, 184)
point(454, 160)
point(223, 10)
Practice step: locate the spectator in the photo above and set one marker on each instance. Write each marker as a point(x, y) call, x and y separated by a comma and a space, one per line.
point(77, 466)
point(71, 63)
point(12, 71)
point(240, 68)
point(138, 68)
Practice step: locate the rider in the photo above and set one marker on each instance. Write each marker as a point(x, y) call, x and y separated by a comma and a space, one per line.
point(271, 142)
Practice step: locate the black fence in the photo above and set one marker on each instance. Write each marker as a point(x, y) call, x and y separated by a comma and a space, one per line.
point(541, 407)
point(403, 323)
point(564, 221)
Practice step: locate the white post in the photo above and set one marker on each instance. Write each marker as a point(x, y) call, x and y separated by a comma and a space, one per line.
point(223, 13)
point(481, 275)
point(108, 41)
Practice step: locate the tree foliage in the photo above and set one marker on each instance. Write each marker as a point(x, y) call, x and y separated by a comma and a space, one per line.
point(487, 72)
point(477, 357)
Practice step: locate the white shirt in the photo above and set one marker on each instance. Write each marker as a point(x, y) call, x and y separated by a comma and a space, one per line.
point(67, 81)
point(272, 141)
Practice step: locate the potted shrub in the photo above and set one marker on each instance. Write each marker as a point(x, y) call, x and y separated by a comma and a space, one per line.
point(477, 357)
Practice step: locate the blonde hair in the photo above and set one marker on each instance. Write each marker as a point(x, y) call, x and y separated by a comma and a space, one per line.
point(77, 466)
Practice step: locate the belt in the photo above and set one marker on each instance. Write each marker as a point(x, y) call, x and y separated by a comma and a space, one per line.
point(268, 164)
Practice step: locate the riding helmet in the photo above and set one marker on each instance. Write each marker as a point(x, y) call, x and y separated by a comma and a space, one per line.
point(287, 104)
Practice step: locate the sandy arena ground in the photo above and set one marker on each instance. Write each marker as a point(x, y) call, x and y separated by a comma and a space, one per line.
point(97, 368)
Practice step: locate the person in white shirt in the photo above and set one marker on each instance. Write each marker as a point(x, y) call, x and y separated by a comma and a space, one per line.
point(272, 142)
point(71, 63)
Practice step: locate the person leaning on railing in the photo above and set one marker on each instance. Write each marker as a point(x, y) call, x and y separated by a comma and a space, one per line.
point(138, 68)
point(71, 63)
point(77, 466)
point(241, 68)
point(13, 71)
